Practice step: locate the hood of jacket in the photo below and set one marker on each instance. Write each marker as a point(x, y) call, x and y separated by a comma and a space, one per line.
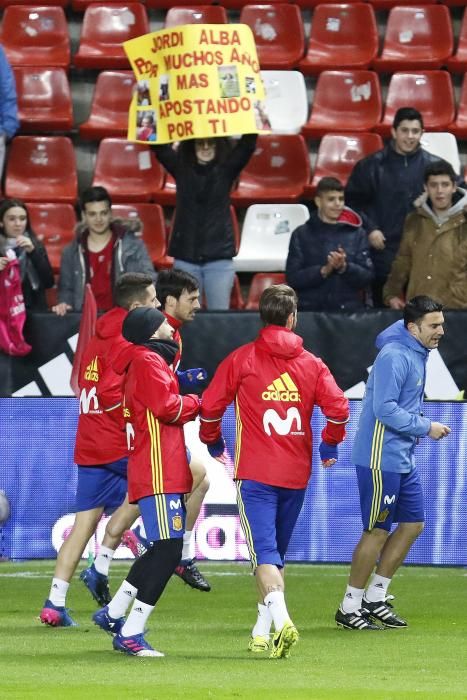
point(459, 204)
point(279, 342)
point(118, 227)
point(348, 217)
point(398, 333)
point(125, 355)
point(110, 324)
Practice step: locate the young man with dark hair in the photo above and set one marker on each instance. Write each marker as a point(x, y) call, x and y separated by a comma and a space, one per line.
point(384, 185)
point(101, 453)
point(432, 258)
point(275, 384)
point(102, 251)
point(390, 426)
point(158, 474)
point(178, 292)
point(328, 263)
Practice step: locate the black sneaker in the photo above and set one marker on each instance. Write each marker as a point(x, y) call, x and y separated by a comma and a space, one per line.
point(189, 572)
point(382, 611)
point(358, 620)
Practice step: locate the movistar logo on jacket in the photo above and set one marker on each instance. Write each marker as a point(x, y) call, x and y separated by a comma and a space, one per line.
point(282, 389)
point(91, 373)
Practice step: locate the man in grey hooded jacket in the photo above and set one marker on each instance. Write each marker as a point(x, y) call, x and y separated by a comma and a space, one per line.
point(102, 251)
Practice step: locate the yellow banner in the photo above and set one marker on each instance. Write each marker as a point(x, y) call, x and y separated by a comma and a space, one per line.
point(195, 81)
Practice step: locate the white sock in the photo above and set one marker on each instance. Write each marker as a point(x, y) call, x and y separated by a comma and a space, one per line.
point(275, 602)
point(377, 589)
point(58, 591)
point(263, 622)
point(352, 599)
point(122, 599)
point(136, 620)
point(103, 560)
point(186, 551)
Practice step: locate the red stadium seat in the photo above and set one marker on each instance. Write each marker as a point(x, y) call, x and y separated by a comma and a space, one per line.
point(458, 62)
point(236, 298)
point(198, 14)
point(344, 101)
point(416, 38)
point(260, 282)
point(342, 36)
point(153, 229)
point(51, 3)
point(387, 4)
point(35, 36)
point(164, 4)
point(277, 172)
point(459, 126)
point(104, 29)
point(110, 103)
point(129, 171)
point(430, 92)
point(168, 194)
point(44, 99)
point(42, 169)
point(279, 34)
point(337, 155)
point(54, 224)
point(81, 5)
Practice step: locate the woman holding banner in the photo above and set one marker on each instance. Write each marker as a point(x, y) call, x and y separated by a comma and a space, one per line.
point(202, 240)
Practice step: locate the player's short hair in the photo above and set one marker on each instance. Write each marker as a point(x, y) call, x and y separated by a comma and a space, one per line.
point(417, 307)
point(329, 184)
point(439, 167)
point(409, 113)
point(131, 287)
point(94, 194)
point(173, 282)
point(276, 304)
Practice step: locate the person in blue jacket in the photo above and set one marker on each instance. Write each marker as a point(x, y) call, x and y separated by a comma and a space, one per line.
point(328, 263)
point(9, 123)
point(390, 426)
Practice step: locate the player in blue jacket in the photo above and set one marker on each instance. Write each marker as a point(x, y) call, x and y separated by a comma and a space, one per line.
point(390, 425)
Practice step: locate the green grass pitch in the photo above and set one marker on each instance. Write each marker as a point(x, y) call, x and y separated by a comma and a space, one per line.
point(205, 635)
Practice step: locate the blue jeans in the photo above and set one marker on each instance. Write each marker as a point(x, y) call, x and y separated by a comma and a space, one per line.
point(215, 279)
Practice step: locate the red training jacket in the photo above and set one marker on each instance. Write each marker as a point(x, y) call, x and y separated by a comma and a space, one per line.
point(275, 384)
point(158, 463)
point(100, 437)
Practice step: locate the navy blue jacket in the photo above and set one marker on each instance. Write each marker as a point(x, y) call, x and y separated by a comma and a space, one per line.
point(391, 419)
point(309, 247)
point(384, 186)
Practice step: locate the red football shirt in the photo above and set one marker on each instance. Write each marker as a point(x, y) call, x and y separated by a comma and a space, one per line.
point(100, 268)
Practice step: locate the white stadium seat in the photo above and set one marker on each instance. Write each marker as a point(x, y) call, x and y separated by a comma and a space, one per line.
point(286, 100)
point(444, 145)
point(266, 232)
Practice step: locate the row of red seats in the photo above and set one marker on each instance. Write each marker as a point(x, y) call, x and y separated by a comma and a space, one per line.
point(80, 5)
point(342, 36)
point(278, 172)
point(342, 101)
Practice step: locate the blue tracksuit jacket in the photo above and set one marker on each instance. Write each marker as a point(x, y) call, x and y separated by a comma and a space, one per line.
point(391, 419)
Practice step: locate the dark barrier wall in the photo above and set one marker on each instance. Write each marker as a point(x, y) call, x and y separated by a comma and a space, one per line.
point(345, 342)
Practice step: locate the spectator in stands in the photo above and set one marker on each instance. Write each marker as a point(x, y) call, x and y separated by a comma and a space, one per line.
point(384, 186)
point(432, 258)
point(17, 239)
point(202, 240)
point(104, 248)
point(9, 123)
point(329, 263)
